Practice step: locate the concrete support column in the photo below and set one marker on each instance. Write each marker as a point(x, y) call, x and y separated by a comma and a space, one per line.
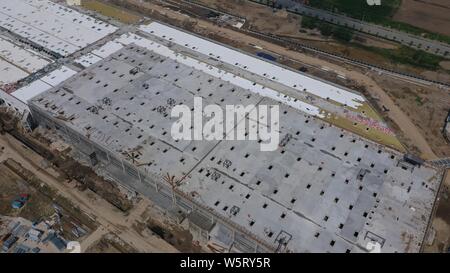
point(123, 167)
point(139, 175)
point(234, 237)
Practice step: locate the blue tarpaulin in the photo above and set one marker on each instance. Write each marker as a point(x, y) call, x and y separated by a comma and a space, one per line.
point(266, 56)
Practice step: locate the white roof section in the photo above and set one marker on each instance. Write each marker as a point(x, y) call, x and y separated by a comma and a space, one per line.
point(88, 60)
point(55, 27)
point(255, 65)
point(25, 59)
point(107, 49)
point(100, 53)
point(129, 38)
point(39, 86)
point(13, 102)
point(59, 75)
point(10, 73)
point(33, 89)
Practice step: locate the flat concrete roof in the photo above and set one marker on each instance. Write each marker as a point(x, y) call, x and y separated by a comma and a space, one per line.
point(17, 62)
point(55, 27)
point(25, 59)
point(325, 189)
point(10, 73)
point(275, 73)
point(43, 84)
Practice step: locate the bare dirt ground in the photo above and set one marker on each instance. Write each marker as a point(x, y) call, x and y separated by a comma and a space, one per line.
point(109, 217)
point(281, 22)
point(441, 222)
point(426, 108)
point(109, 243)
point(432, 15)
point(107, 10)
point(368, 40)
point(11, 186)
point(445, 65)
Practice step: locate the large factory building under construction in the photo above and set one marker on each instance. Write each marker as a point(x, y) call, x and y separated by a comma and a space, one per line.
point(324, 189)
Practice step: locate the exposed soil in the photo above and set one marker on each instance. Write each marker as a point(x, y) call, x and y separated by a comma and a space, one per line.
point(180, 238)
point(110, 243)
point(85, 203)
point(368, 40)
point(445, 65)
point(432, 15)
point(427, 108)
point(441, 222)
point(110, 11)
point(11, 186)
point(18, 180)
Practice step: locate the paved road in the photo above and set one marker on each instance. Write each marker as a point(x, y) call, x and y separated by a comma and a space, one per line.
point(413, 41)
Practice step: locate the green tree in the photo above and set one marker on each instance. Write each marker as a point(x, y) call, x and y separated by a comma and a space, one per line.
point(326, 29)
point(343, 34)
point(309, 22)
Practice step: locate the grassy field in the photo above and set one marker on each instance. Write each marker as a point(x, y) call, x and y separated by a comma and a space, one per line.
point(111, 11)
point(406, 55)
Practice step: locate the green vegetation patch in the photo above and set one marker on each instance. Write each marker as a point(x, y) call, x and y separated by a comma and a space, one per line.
point(417, 31)
point(406, 55)
point(327, 29)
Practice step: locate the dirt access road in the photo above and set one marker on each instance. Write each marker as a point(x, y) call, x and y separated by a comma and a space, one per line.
point(240, 39)
point(110, 219)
